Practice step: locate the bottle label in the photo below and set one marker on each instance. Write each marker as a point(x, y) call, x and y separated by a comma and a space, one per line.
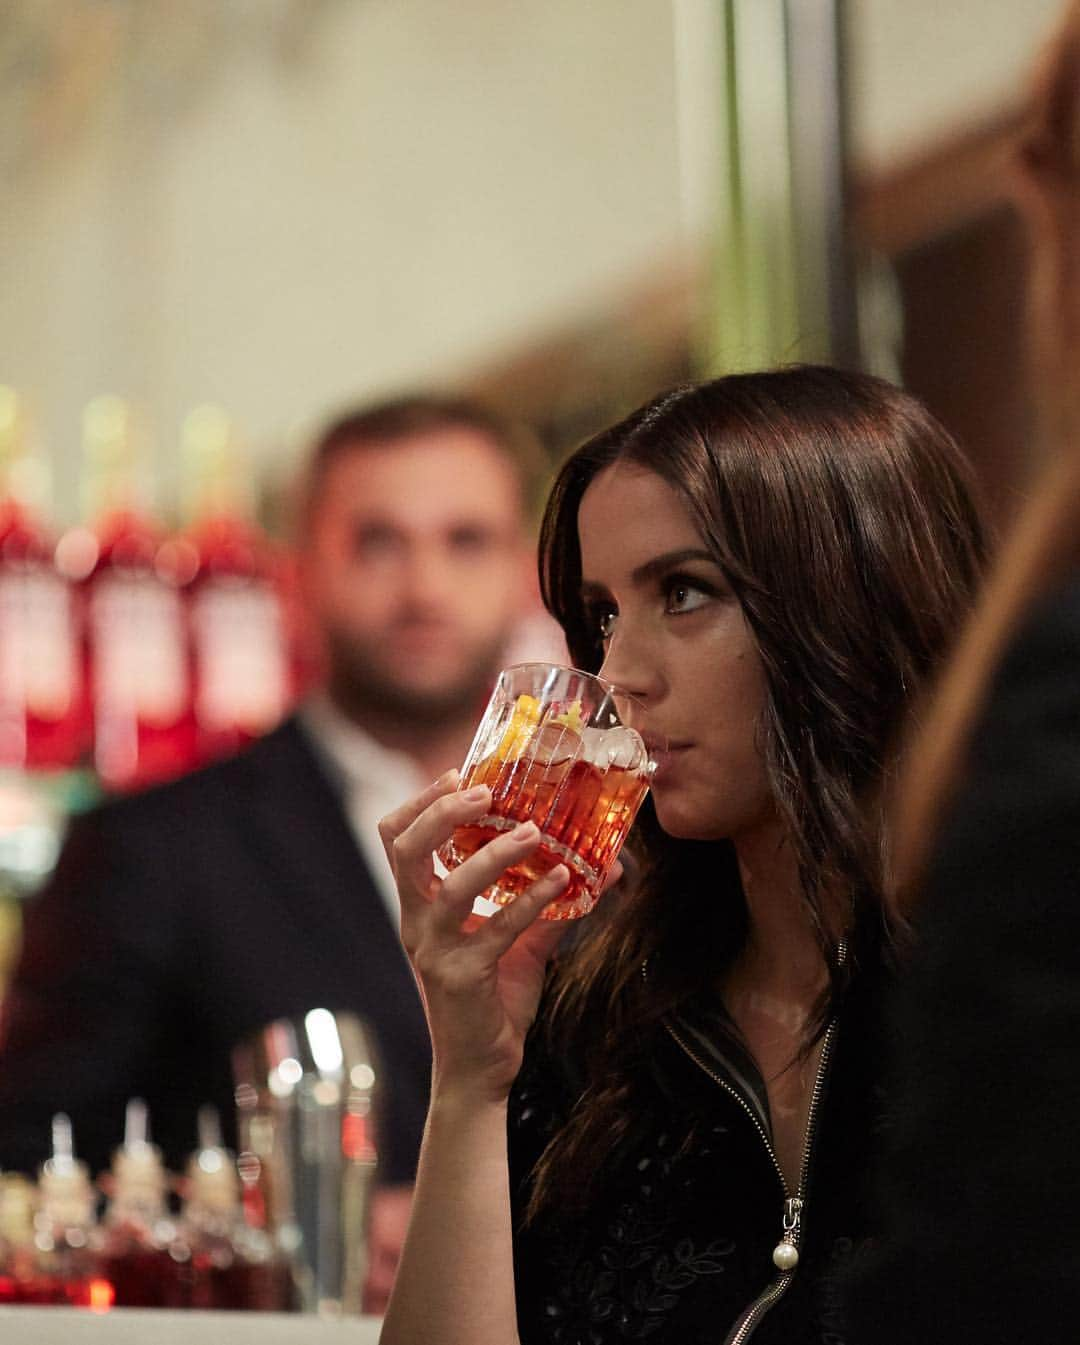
point(38, 648)
point(137, 639)
point(240, 655)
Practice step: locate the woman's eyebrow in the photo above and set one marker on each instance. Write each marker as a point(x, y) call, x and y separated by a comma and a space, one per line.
point(659, 565)
point(650, 570)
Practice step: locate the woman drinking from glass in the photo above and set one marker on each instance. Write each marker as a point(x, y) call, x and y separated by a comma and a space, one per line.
point(660, 1133)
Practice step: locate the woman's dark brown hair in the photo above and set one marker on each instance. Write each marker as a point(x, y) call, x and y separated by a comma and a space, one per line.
point(843, 517)
point(1044, 546)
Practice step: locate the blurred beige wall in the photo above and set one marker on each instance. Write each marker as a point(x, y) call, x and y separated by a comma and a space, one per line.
point(421, 186)
point(921, 69)
point(408, 190)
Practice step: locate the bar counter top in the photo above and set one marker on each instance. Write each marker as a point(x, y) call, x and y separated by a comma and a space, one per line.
point(138, 1326)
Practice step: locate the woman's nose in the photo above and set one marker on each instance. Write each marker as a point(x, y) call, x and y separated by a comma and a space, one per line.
point(631, 666)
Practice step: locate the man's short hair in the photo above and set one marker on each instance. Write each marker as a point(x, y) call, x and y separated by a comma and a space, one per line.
point(407, 417)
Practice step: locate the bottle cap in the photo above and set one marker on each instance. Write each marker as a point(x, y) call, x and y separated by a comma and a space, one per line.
point(137, 1168)
point(212, 1176)
point(67, 1194)
point(217, 477)
point(24, 473)
point(113, 469)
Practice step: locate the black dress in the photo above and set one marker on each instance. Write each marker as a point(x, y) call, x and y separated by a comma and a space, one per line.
point(677, 1242)
point(981, 1179)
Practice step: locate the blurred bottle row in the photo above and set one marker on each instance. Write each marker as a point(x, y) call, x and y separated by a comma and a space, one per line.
point(130, 652)
point(133, 650)
point(55, 1248)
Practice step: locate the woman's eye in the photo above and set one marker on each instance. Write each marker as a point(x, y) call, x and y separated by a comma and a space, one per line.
point(682, 596)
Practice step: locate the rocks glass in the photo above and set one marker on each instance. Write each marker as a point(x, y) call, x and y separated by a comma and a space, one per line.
point(563, 749)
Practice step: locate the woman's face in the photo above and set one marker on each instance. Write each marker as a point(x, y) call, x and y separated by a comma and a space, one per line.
point(675, 637)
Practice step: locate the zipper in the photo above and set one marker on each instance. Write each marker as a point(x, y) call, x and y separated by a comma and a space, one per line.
point(734, 1093)
point(786, 1252)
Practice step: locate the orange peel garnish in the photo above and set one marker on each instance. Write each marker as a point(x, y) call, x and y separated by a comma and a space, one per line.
point(525, 719)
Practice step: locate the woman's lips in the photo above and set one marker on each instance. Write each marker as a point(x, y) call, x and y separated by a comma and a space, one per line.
point(664, 758)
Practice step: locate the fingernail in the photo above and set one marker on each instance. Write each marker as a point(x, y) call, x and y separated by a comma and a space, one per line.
point(475, 794)
point(446, 777)
point(524, 831)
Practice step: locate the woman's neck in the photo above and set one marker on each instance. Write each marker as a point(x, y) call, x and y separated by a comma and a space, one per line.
point(781, 954)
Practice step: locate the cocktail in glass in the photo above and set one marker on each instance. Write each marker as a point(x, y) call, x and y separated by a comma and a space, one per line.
point(563, 749)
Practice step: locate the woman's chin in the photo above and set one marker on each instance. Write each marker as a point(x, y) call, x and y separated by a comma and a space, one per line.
point(682, 823)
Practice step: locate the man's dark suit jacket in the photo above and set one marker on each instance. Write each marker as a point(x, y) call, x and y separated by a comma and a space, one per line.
point(177, 922)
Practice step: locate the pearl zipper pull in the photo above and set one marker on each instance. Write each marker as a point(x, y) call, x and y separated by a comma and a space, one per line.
point(786, 1254)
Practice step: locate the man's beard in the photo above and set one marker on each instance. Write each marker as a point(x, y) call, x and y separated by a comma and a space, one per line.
point(363, 689)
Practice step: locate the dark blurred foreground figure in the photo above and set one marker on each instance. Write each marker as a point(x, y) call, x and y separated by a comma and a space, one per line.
point(181, 920)
point(981, 1179)
point(772, 563)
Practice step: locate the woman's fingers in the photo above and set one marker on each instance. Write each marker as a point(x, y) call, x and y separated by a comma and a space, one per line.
point(436, 917)
point(393, 824)
point(506, 925)
point(460, 889)
point(410, 850)
point(442, 908)
point(436, 823)
point(462, 959)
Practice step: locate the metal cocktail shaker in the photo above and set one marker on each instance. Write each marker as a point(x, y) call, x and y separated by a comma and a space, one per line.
point(306, 1095)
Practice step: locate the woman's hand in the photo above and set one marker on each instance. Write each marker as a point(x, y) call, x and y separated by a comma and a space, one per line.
point(480, 978)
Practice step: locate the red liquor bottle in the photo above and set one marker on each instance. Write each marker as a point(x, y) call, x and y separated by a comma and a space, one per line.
point(17, 1199)
point(229, 1264)
point(40, 721)
point(137, 1233)
point(138, 701)
point(242, 672)
point(67, 1262)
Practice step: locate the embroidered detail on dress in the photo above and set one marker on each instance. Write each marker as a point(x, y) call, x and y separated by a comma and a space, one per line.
point(630, 1284)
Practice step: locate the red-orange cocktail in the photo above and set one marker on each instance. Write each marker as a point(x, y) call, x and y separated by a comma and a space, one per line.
point(554, 747)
